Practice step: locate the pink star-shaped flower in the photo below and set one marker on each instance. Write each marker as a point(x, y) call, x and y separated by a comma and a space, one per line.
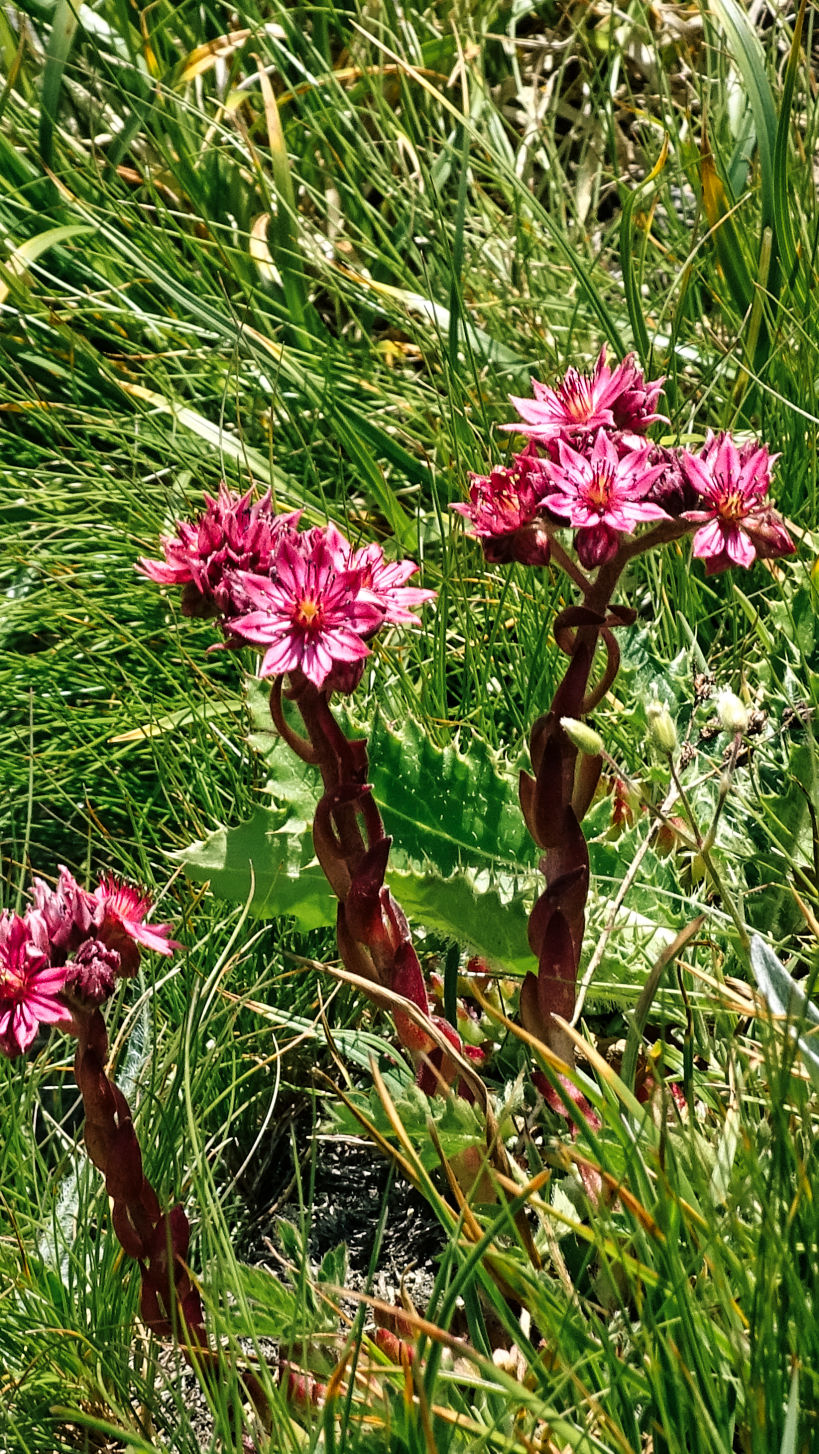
point(30, 986)
point(312, 615)
point(234, 534)
point(505, 514)
point(119, 917)
point(500, 502)
point(602, 495)
point(580, 404)
point(68, 912)
point(738, 526)
point(384, 580)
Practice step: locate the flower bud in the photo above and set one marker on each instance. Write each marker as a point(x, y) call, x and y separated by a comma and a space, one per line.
point(733, 714)
point(661, 726)
point(583, 737)
point(667, 837)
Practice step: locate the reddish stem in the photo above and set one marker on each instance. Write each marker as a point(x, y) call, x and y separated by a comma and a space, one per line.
point(555, 800)
point(170, 1304)
point(373, 935)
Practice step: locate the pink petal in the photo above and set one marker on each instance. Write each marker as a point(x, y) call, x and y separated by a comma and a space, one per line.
point(166, 575)
point(739, 547)
point(696, 473)
point(726, 459)
point(282, 656)
point(153, 936)
point(531, 411)
point(645, 510)
point(709, 541)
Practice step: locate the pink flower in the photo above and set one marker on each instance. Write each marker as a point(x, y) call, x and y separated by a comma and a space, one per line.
point(312, 615)
point(119, 919)
point(30, 986)
point(738, 526)
point(602, 495)
point(583, 403)
point(67, 912)
point(504, 511)
point(501, 502)
point(232, 535)
point(382, 579)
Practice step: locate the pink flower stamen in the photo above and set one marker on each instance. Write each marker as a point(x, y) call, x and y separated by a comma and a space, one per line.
point(600, 488)
point(576, 393)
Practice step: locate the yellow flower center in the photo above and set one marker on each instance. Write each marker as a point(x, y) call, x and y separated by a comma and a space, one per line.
point(10, 981)
point(732, 507)
point(307, 613)
point(599, 491)
point(577, 396)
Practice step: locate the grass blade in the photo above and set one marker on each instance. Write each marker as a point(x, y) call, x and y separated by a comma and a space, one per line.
point(60, 41)
point(631, 282)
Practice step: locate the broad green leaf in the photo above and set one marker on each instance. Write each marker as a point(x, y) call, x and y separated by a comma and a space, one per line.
point(442, 807)
point(462, 864)
point(450, 808)
point(272, 860)
point(473, 913)
point(271, 857)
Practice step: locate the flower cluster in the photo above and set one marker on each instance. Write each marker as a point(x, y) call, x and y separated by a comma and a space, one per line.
point(737, 525)
point(307, 597)
point(234, 534)
point(68, 951)
point(590, 465)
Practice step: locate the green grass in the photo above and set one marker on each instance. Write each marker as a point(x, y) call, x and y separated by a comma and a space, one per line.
point(430, 242)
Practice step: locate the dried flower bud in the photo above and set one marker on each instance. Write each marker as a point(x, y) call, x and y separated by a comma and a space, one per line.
point(661, 726)
point(733, 714)
point(583, 737)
